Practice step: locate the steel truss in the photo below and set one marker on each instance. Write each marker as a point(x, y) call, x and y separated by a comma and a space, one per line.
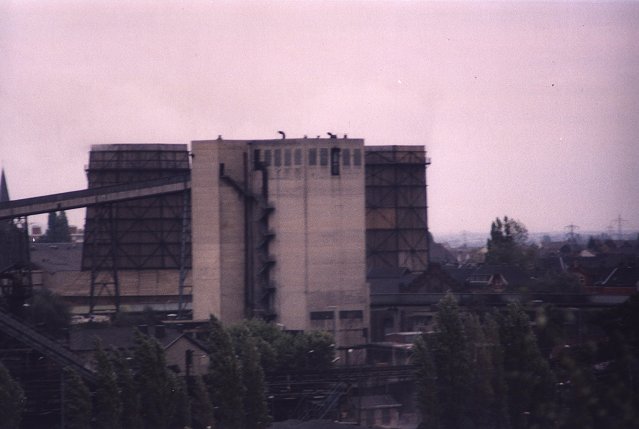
point(150, 233)
point(396, 208)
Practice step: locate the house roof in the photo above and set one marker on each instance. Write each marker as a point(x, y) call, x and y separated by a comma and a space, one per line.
point(390, 280)
point(513, 275)
point(84, 338)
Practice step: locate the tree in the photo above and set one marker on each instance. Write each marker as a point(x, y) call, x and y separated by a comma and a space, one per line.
point(153, 383)
point(508, 243)
point(444, 368)
point(128, 394)
point(255, 407)
point(482, 376)
point(223, 378)
point(426, 376)
point(617, 390)
point(499, 407)
point(453, 364)
point(266, 336)
point(531, 385)
point(180, 397)
point(12, 400)
point(49, 313)
point(77, 402)
point(108, 404)
point(280, 350)
point(57, 229)
point(63, 235)
point(201, 406)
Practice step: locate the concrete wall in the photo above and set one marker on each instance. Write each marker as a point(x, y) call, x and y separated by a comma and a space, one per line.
point(319, 225)
point(156, 288)
point(205, 221)
point(319, 245)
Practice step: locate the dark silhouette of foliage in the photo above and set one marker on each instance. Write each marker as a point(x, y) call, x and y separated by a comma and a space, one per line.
point(255, 406)
point(49, 313)
point(154, 383)
point(180, 397)
point(77, 406)
point(531, 385)
point(107, 401)
point(128, 394)
point(12, 400)
point(201, 406)
point(224, 379)
point(57, 229)
point(508, 244)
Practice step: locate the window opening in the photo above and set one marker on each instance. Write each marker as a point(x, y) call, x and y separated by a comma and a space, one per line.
point(357, 157)
point(346, 157)
point(323, 156)
point(277, 157)
point(335, 161)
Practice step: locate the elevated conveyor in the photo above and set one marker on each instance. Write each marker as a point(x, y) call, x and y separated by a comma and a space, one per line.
point(93, 196)
point(32, 338)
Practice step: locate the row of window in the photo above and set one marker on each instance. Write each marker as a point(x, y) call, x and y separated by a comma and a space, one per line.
point(293, 156)
point(343, 314)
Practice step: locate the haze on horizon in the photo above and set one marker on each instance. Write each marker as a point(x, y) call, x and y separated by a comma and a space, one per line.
point(527, 109)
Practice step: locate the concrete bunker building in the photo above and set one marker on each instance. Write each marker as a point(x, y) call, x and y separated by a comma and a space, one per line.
point(295, 231)
point(279, 232)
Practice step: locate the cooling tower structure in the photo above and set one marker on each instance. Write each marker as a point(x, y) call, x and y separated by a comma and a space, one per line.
point(279, 233)
point(396, 207)
point(138, 249)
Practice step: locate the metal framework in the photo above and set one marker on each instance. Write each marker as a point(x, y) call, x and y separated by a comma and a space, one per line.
point(15, 267)
point(139, 234)
point(259, 287)
point(396, 207)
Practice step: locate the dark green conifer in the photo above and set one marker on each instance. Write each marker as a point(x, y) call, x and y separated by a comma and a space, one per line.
point(108, 405)
point(77, 406)
point(12, 400)
point(223, 379)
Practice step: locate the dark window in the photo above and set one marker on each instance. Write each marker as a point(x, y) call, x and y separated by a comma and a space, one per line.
point(351, 314)
point(357, 157)
point(321, 315)
point(287, 157)
point(298, 156)
point(335, 161)
point(256, 159)
point(267, 157)
point(346, 156)
point(323, 156)
point(312, 157)
point(277, 155)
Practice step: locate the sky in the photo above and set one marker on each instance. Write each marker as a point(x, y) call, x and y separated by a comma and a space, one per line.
point(527, 109)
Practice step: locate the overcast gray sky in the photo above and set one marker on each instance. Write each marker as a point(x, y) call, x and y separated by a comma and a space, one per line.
point(527, 109)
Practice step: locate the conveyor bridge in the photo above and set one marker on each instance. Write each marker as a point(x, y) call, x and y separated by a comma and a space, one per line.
point(55, 351)
point(93, 196)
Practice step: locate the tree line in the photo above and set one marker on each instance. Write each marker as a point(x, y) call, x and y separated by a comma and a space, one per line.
point(135, 389)
point(487, 372)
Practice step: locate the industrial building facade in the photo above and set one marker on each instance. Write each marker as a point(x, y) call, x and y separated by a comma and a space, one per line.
point(279, 233)
point(137, 250)
point(289, 230)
